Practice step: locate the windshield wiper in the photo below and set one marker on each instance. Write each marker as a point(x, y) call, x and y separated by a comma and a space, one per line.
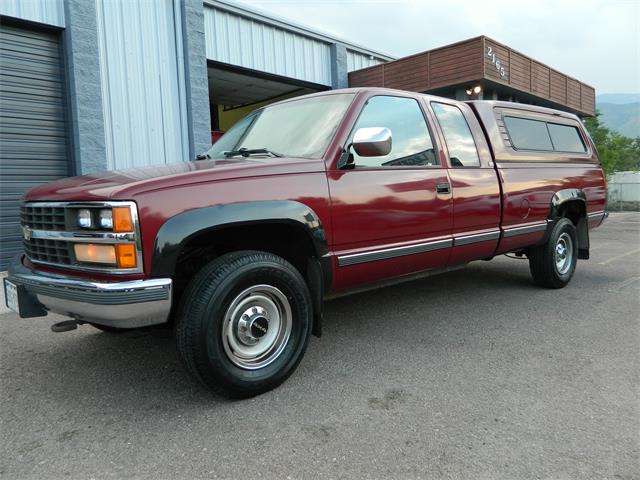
point(247, 152)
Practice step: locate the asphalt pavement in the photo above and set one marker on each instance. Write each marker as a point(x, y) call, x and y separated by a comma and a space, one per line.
point(474, 374)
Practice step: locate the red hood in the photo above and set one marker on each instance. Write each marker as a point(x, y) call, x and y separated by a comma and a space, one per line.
point(126, 184)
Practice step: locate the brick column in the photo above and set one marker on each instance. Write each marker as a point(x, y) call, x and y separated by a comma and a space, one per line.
point(196, 81)
point(82, 58)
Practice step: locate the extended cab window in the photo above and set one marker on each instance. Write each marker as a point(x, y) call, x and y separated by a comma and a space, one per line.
point(457, 134)
point(411, 141)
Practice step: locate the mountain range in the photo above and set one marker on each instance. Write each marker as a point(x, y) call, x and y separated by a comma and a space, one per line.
point(620, 112)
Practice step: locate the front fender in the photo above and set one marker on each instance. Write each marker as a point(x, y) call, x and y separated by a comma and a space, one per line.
point(174, 234)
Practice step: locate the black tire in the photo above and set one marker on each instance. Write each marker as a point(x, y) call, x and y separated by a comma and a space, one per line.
point(208, 322)
point(546, 263)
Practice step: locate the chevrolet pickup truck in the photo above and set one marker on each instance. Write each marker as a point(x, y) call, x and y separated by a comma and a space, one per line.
point(302, 200)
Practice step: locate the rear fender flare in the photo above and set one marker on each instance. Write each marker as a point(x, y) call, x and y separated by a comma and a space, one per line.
point(559, 201)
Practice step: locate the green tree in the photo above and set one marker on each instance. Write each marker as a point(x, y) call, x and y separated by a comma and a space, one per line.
point(617, 153)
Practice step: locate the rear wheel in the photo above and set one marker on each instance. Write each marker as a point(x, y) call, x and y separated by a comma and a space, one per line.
point(244, 322)
point(553, 264)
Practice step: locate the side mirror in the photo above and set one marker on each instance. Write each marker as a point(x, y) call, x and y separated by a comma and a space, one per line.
point(372, 141)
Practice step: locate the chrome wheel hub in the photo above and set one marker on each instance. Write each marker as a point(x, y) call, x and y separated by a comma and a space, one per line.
point(563, 254)
point(253, 325)
point(256, 327)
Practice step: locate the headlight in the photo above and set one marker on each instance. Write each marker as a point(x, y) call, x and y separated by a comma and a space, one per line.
point(85, 220)
point(105, 219)
point(122, 255)
point(95, 253)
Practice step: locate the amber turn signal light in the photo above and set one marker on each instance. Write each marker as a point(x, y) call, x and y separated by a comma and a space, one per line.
point(122, 221)
point(126, 255)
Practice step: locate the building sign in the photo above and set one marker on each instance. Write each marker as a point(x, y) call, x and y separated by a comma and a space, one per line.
point(496, 62)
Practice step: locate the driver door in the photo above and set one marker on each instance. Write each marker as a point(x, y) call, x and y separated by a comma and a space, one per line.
point(391, 214)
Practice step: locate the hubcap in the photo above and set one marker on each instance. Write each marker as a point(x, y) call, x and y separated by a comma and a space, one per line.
point(563, 253)
point(257, 326)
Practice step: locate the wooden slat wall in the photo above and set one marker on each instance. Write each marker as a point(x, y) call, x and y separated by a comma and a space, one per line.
point(558, 87)
point(367, 77)
point(588, 95)
point(408, 74)
point(457, 63)
point(469, 61)
point(573, 93)
point(444, 66)
point(520, 71)
point(528, 75)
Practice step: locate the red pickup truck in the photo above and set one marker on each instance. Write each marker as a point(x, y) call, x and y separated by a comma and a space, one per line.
point(301, 200)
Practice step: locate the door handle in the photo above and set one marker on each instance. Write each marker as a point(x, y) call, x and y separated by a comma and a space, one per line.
point(443, 187)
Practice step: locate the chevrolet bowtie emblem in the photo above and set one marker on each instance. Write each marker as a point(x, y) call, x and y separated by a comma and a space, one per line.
point(26, 232)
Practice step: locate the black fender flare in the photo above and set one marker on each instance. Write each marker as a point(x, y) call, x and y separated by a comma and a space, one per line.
point(558, 201)
point(176, 232)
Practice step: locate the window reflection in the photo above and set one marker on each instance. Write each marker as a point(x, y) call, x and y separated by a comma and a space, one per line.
point(411, 144)
point(460, 143)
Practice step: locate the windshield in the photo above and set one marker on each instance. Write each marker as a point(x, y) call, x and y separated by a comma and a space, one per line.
point(299, 128)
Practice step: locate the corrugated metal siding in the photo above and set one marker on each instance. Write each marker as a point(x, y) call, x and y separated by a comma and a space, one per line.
point(246, 42)
point(358, 60)
point(143, 82)
point(33, 129)
point(50, 12)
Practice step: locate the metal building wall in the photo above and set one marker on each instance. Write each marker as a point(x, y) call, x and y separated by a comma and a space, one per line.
point(249, 43)
point(50, 12)
point(143, 82)
point(357, 60)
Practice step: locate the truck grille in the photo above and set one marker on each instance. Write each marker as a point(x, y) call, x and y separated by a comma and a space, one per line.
point(43, 218)
point(50, 251)
point(51, 232)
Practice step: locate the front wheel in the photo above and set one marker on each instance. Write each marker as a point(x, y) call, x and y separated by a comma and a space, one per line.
point(553, 264)
point(244, 322)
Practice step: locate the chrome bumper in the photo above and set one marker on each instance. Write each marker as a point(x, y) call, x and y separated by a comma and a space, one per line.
point(129, 304)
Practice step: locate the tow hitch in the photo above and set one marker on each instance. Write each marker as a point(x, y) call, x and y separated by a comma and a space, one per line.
point(65, 326)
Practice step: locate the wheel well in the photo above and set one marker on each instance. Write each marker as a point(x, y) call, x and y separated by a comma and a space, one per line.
point(285, 240)
point(573, 210)
point(576, 211)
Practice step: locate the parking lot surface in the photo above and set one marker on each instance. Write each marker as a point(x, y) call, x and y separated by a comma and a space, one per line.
point(473, 374)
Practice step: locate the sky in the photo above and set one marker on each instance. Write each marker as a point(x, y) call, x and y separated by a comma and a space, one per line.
point(597, 42)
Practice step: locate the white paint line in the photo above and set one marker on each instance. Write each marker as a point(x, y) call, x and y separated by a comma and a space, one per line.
point(637, 250)
point(624, 284)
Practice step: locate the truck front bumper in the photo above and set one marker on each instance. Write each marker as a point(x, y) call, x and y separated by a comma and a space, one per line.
point(128, 304)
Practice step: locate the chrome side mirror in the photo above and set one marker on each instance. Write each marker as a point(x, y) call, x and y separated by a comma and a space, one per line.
point(372, 141)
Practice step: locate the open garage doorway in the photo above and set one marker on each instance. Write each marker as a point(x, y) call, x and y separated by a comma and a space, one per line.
point(234, 92)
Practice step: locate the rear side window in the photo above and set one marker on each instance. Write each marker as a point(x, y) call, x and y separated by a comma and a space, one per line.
point(529, 134)
point(457, 134)
point(566, 138)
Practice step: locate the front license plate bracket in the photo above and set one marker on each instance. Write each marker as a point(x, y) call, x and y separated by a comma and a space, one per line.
point(21, 301)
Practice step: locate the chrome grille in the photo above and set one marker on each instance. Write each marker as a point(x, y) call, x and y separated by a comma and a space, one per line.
point(49, 251)
point(43, 218)
point(50, 232)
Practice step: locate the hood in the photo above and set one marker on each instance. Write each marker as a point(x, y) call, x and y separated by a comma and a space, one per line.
point(126, 184)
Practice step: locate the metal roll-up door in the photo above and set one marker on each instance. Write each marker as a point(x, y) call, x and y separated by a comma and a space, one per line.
point(33, 129)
